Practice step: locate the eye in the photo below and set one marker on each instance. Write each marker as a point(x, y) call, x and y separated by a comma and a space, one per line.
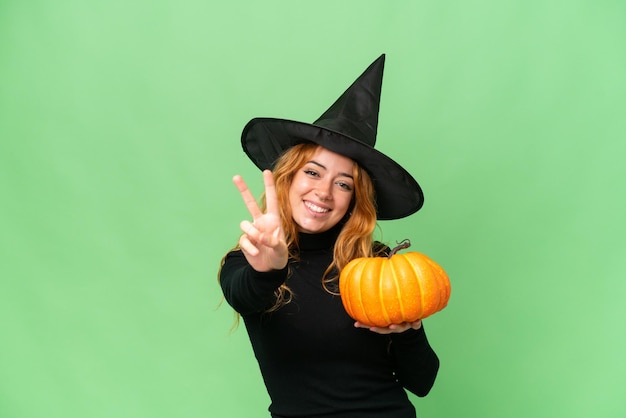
point(311, 173)
point(344, 185)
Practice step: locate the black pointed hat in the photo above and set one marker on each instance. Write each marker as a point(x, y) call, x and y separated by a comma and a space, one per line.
point(348, 128)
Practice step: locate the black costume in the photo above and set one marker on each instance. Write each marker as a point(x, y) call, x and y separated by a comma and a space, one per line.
point(314, 362)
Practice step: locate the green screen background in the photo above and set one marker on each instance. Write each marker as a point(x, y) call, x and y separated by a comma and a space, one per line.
point(119, 136)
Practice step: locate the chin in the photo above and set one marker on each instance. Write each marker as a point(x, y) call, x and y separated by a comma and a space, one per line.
point(312, 229)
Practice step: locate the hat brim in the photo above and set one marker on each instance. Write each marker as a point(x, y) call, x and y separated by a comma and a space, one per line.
point(397, 193)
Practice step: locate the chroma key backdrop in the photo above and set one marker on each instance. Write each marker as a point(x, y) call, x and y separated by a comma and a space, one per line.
point(120, 129)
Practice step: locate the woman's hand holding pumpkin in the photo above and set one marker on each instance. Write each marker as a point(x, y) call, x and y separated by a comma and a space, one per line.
point(393, 328)
point(263, 240)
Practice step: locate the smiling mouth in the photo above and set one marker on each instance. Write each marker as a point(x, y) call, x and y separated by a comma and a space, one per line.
point(317, 209)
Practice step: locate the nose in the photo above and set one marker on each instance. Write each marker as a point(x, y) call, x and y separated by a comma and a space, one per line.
point(324, 190)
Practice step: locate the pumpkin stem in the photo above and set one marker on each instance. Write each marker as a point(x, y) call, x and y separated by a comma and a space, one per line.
point(406, 243)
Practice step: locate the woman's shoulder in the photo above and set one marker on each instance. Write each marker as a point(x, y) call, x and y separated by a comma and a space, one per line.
point(380, 249)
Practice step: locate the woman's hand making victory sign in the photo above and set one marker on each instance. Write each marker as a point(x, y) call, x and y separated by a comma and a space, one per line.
point(263, 240)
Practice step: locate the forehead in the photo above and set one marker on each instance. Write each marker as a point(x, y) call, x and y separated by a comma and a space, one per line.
point(331, 160)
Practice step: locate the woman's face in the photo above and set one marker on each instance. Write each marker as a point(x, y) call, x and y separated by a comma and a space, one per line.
point(321, 191)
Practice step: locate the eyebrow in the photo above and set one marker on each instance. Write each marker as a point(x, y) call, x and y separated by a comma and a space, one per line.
point(324, 167)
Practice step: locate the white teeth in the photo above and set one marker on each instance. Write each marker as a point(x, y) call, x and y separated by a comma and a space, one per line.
point(315, 208)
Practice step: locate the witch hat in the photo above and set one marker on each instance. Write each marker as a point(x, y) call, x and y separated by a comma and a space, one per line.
point(349, 128)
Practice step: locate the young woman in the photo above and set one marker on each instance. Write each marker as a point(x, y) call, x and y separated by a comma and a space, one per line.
point(326, 188)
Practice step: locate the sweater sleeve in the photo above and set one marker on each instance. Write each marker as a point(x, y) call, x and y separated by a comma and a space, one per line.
point(245, 289)
point(416, 362)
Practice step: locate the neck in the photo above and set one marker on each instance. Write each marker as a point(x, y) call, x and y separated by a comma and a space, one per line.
point(320, 240)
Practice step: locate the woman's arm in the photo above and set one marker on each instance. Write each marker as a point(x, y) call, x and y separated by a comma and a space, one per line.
point(245, 289)
point(416, 361)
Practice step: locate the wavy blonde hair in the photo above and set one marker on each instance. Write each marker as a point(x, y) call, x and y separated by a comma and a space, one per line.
point(354, 240)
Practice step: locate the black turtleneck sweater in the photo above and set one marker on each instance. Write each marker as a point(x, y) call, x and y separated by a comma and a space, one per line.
point(314, 362)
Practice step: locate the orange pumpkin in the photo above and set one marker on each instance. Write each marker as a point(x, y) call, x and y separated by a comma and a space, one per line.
point(380, 291)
